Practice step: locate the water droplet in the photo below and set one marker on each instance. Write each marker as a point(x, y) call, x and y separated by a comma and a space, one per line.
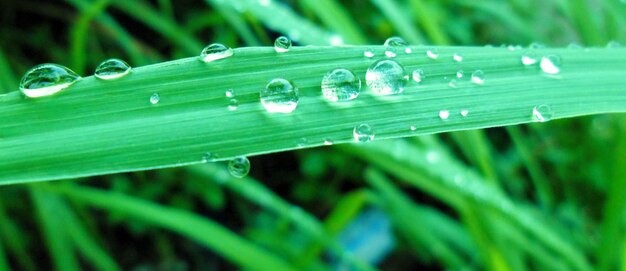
point(214, 52)
point(239, 167)
point(368, 53)
point(396, 42)
point(386, 77)
point(390, 53)
point(302, 142)
point(413, 128)
point(112, 69)
point(536, 45)
point(529, 58)
point(452, 83)
point(340, 85)
point(457, 57)
point(550, 64)
point(613, 44)
point(542, 113)
point(233, 104)
point(432, 53)
point(478, 77)
point(47, 79)
point(363, 133)
point(209, 157)
point(336, 40)
point(155, 98)
point(230, 93)
point(408, 50)
point(279, 96)
point(282, 44)
point(444, 114)
point(464, 112)
point(459, 74)
point(328, 141)
point(418, 75)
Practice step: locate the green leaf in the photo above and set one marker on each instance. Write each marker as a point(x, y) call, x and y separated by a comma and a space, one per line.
point(98, 127)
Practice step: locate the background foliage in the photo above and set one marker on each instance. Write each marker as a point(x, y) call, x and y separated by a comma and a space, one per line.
point(544, 196)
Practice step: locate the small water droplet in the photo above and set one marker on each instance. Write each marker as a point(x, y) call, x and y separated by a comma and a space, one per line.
point(444, 114)
point(233, 104)
point(613, 44)
point(432, 53)
point(112, 69)
point(155, 98)
point(459, 74)
point(214, 52)
point(464, 112)
point(302, 142)
point(209, 157)
point(363, 133)
point(368, 53)
point(413, 128)
point(239, 167)
point(418, 75)
point(529, 58)
point(457, 57)
point(408, 50)
point(550, 64)
point(395, 42)
point(452, 83)
point(536, 45)
point(328, 141)
point(386, 77)
point(282, 44)
point(478, 77)
point(390, 53)
point(341, 85)
point(230, 93)
point(542, 113)
point(279, 96)
point(47, 79)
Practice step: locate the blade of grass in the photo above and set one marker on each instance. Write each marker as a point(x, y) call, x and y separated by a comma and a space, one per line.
point(14, 241)
point(282, 19)
point(585, 22)
point(477, 149)
point(78, 34)
point(333, 15)
point(98, 127)
point(400, 20)
point(7, 77)
point(261, 195)
point(4, 265)
point(53, 230)
point(237, 22)
point(430, 20)
point(204, 231)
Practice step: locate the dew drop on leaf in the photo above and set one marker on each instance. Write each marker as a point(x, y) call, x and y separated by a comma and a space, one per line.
point(239, 167)
point(386, 77)
point(341, 85)
point(444, 114)
point(363, 133)
point(230, 93)
point(279, 96)
point(215, 51)
point(457, 57)
point(529, 58)
point(282, 44)
point(478, 77)
point(112, 69)
point(550, 64)
point(418, 75)
point(395, 42)
point(233, 104)
point(542, 113)
point(47, 79)
point(155, 98)
point(432, 53)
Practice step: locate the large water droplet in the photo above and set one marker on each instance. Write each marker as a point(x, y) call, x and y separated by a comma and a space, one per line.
point(478, 77)
point(550, 64)
point(214, 52)
point(386, 77)
point(279, 96)
point(47, 79)
point(529, 58)
point(282, 44)
point(418, 75)
point(341, 85)
point(155, 98)
point(363, 133)
point(542, 113)
point(239, 167)
point(396, 42)
point(112, 69)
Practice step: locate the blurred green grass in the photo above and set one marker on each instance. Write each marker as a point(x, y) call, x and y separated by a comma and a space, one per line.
point(534, 197)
